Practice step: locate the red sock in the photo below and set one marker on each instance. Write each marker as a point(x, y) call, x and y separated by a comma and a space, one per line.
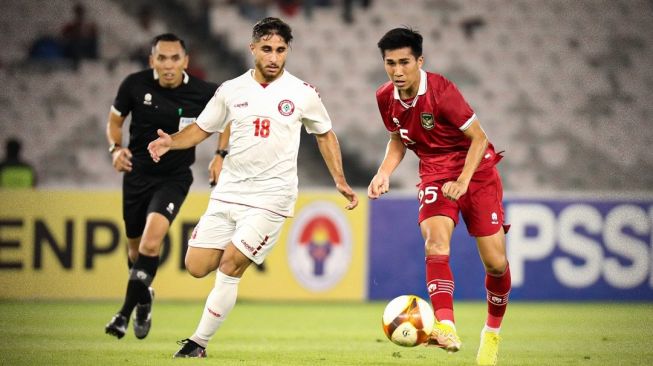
point(498, 289)
point(439, 282)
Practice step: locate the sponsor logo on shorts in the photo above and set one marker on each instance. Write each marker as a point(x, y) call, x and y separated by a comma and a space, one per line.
point(319, 246)
point(247, 246)
point(170, 208)
point(495, 218)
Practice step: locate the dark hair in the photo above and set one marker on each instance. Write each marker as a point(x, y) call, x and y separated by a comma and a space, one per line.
point(168, 37)
point(400, 38)
point(271, 26)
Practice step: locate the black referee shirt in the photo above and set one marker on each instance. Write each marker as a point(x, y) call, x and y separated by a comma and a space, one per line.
point(153, 107)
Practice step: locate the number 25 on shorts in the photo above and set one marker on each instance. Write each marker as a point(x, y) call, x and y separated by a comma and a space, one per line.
point(427, 195)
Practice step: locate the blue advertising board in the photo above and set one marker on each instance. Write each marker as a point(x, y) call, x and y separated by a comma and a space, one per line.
point(569, 248)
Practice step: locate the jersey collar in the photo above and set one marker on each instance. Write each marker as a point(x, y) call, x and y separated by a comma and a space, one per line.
point(251, 72)
point(420, 91)
point(156, 76)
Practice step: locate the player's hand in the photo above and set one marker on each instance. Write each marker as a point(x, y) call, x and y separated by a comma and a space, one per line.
point(379, 185)
point(215, 167)
point(159, 146)
point(349, 194)
point(453, 190)
point(121, 159)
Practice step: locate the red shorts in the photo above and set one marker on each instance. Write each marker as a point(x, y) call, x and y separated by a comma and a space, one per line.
point(481, 206)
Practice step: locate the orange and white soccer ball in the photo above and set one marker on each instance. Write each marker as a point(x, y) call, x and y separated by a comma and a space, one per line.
point(408, 320)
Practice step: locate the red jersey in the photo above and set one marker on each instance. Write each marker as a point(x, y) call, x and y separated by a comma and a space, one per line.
point(432, 125)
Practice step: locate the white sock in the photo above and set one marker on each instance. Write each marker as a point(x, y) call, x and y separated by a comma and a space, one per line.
point(488, 329)
point(218, 305)
point(449, 323)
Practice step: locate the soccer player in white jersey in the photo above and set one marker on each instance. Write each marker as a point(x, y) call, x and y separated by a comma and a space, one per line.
point(266, 108)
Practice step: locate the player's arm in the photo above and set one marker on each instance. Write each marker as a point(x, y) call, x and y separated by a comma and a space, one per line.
point(394, 154)
point(184, 139)
point(120, 156)
point(454, 189)
point(330, 150)
point(215, 166)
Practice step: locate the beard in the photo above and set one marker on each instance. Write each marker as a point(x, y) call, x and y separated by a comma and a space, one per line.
point(269, 75)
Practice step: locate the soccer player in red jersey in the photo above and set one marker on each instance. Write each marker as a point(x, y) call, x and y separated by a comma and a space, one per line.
point(426, 113)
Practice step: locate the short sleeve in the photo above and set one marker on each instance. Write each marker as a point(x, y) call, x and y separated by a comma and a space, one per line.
point(382, 101)
point(214, 116)
point(123, 102)
point(454, 108)
point(316, 119)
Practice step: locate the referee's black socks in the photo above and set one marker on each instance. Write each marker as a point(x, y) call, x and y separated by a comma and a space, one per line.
point(140, 278)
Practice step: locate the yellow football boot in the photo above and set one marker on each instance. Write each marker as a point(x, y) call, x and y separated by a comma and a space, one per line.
point(445, 337)
point(488, 350)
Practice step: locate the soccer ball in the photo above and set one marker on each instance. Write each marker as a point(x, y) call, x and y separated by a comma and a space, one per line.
point(408, 320)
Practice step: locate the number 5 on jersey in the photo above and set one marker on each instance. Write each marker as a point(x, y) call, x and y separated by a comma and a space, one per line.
point(262, 127)
point(403, 132)
point(427, 195)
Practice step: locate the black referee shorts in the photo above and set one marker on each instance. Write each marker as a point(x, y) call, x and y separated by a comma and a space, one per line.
point(143, 194)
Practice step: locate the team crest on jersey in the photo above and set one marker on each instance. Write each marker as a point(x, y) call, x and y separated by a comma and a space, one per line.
point(427, 121)
point(286, 107)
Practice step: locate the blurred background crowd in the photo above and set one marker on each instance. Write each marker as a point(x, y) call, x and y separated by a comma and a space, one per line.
point(564, 87)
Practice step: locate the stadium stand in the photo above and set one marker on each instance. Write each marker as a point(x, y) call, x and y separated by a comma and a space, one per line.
point(563, 90)
point(563, 87)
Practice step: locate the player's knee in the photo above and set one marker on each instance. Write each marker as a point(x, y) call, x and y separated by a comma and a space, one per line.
point(231, 268)
point(197, 270)
point(496, 266)
point(436, 247)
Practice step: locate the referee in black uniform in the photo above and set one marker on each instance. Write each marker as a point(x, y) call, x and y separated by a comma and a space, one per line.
point(164, 97)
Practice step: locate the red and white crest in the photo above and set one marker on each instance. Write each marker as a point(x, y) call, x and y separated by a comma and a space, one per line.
point(286, 107)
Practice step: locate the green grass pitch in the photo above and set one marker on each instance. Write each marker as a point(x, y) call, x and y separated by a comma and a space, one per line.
point(285, 333)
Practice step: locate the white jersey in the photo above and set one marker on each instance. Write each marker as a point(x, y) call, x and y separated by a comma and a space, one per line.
point(261, 168)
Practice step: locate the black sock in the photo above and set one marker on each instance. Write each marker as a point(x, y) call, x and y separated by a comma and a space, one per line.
point(140, 278)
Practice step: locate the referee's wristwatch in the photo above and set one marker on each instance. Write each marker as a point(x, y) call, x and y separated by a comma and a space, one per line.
point(221, 152)
point(113, 147)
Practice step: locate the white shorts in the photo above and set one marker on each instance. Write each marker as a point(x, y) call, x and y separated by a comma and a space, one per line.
point(254, 231)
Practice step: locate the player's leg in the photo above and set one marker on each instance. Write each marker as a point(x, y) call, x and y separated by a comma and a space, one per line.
point(438, 217)
point(255, 234)
point(492, 250)
point(483, 212)
point(437, 231)
point(202, 261)
point(223, 296)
